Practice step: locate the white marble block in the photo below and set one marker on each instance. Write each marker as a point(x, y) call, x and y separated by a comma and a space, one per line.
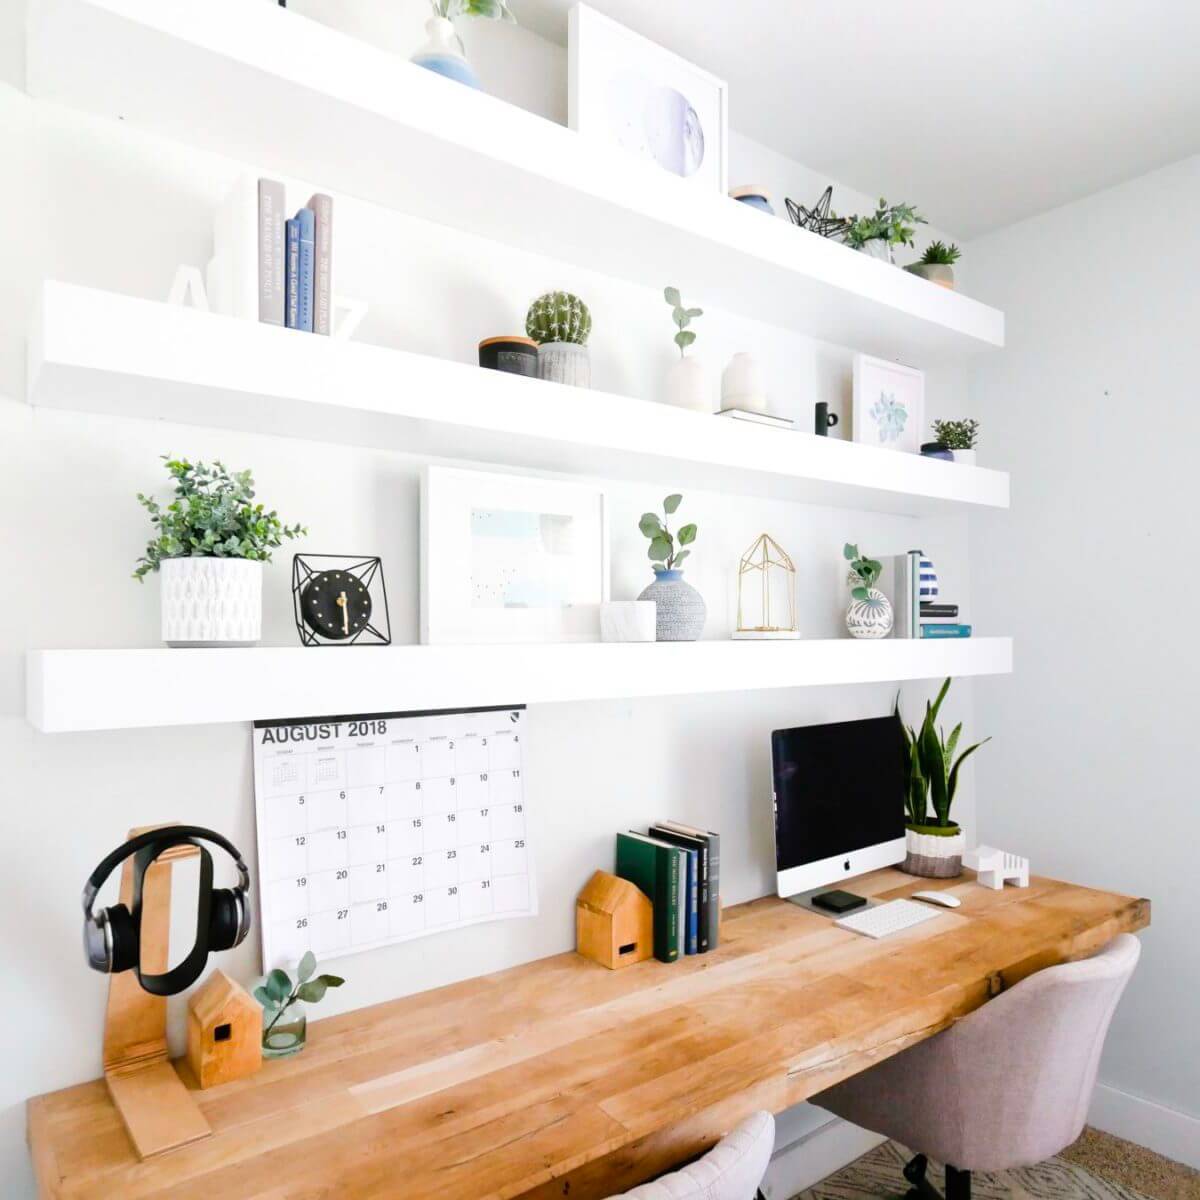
point(628, 621)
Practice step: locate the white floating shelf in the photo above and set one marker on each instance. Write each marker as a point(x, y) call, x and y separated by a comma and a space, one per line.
point(263, 84)
point(70, 690)
point(97, 351)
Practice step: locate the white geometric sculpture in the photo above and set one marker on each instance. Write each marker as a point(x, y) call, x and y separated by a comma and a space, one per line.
point(994, 867)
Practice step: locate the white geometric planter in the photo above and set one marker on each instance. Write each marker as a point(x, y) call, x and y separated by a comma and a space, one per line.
point(211, 601)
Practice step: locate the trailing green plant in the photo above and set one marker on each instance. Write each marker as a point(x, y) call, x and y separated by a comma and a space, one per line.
point(279, 993)
point(663, 551)
point(939, 254)
point(487, 10)
point(212, 516)
point(895, 223)
point(682, 317)
point(931, 769)
point(558, 317)
point(957, 435)
point(867, 569)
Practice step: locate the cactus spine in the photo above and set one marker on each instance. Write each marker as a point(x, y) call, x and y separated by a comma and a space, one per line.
point(558, 317)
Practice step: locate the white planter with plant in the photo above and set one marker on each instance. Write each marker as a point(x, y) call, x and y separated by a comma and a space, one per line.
point(869, 615)
point(560, 323)
point(443, 51)
point(934, 843)
point(680, 611)
point(686, 385)
point(209, 546)
point(878, 235)
point(959, 437)
point(937, 264)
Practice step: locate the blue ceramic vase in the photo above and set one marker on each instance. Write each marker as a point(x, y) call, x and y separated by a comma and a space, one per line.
point(443, 53)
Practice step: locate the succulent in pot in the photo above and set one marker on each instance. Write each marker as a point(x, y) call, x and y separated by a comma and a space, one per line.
point(561, 323)
point(937, 264)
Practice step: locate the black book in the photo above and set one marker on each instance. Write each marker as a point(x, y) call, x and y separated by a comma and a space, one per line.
point(712, 872)
point(938, 610)
point(700, 845)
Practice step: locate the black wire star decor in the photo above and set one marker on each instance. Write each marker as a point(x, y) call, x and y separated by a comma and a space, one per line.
point(819, 219)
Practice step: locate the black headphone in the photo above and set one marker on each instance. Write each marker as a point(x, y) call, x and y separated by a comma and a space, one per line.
point(112, 937)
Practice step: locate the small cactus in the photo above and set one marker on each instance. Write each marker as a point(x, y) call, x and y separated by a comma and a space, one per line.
point(558, 317)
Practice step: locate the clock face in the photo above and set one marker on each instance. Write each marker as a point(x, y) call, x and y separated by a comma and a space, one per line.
point(336, 604)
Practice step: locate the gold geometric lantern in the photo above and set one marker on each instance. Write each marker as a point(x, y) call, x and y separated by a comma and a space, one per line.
point(766, 593)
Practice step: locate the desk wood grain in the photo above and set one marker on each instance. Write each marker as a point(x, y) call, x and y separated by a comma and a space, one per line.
point(559, 1078)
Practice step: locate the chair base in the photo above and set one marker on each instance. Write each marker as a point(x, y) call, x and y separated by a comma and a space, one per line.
point(958, 1183)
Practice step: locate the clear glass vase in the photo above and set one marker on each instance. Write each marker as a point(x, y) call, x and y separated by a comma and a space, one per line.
point(443, 53)
point(285, 1033)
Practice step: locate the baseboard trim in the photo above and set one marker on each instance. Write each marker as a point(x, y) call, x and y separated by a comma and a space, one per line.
point(1164, 1130)
point(815, 1156)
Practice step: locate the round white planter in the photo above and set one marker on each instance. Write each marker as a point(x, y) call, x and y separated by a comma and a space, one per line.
point(211, 601)
point(878, 248)
point(742, 384)
point(870, 618)
point(964, 456)
point(565, 362)
point(687, 386)
point(932, 856)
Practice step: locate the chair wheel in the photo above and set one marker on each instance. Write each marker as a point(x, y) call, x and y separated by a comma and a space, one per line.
point(914, 1171)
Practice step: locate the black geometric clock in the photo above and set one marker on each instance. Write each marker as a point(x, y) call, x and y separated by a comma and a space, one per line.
point(340, 600)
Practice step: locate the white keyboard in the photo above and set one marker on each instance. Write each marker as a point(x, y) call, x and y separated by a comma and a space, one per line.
point(889, 918)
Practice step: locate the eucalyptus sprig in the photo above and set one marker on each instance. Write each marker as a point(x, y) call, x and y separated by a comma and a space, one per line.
point(682, 317)
point(867, 569)
point(662, 552)
point(278, 994)
point(488, 10)
point(894, 223)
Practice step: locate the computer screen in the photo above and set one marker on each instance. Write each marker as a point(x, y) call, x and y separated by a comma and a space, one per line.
point(839, 800)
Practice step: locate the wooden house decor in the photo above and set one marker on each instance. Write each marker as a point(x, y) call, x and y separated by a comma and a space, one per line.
point(614, 922)
point(224, 1032)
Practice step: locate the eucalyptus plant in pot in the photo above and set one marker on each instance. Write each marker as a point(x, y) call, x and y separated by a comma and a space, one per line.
point(934, 843)
point(890, 225)
point(209, 545)
point(685, 383)
point(285, 1023)
point(680, 609)
point(443, 51)
point(869, 614)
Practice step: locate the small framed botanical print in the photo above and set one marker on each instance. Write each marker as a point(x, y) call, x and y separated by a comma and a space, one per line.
point(889, 404)
point(510, 558)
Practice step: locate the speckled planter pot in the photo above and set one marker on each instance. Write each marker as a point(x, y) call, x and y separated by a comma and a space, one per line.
point(565, 362)
point(681, 609)
point(211, 601)
point(932, 856)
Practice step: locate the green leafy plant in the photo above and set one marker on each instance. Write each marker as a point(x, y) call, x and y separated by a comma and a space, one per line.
point(488, 10)
point(931, 768)
point(895, 223)
point(682, 317)
point(663, 552)
point(558, 317)
point(957, 435)
point(279, 993)
point(867, 569)
point(211, 516)
point(939, 254)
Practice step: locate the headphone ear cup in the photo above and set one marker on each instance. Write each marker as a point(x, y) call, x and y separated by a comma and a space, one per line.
point(224, 919)
point(125, 948)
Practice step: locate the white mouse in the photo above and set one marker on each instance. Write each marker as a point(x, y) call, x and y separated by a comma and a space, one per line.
point(943, 898)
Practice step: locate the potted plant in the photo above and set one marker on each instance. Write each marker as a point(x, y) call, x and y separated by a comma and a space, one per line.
point(934, 843)
point(889, 226)
point(685, 383)
point(937, 264)
point(209, 545)
point(959, 437)
point(560, 323)
point(680, 611)
point(285, 1023)
point(869, 614)
point(443, 50)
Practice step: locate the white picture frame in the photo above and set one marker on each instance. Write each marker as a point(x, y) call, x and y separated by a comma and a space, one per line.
point(511, 558)
point(629, 91)
point(889, 404)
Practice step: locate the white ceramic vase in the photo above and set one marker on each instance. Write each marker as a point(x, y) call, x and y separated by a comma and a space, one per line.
point(879, 248)
point(687, 386)
point(211, 601)
point(964, 456)
point(933, 856)
point(565, 362)
point(742, 384)
point(870, 618)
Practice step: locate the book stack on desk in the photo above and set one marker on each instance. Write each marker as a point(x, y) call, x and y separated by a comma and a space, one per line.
point(941, 621)
point(679, 868)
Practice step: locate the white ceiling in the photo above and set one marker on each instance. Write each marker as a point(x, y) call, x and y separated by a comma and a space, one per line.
point(981, 112)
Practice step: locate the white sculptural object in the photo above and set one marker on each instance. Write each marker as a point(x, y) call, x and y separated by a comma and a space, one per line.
point(993, 868)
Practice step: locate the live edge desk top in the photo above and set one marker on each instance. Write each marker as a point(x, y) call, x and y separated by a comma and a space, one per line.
point(560, 1078)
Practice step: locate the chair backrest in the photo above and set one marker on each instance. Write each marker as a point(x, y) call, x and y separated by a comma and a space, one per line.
point(731, 1170)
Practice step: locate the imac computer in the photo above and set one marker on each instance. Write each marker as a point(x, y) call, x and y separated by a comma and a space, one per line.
point(839, 801)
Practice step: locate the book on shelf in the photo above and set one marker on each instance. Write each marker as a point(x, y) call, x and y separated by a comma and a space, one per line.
point(292, 273)
point(307, 222)
point(906, 590)
point(696, 850)
point(755, 418)
point(934, 629)
point(932, 609)
point(709, 916)
point(322, 208)
point(271, 269)
point(653, 866)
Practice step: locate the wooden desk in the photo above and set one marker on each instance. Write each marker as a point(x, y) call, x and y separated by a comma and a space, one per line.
point(561, 1078)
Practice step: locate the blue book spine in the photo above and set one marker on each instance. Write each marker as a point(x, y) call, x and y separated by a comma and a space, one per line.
point(307, 221)
point(693, 901)
point(292, 311)
point(945, 631)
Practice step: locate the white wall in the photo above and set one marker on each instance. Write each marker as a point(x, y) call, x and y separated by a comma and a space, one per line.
point(97, 203)
point(1093, 408)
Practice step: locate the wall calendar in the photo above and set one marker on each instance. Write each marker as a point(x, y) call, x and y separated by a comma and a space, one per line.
point(383, 828)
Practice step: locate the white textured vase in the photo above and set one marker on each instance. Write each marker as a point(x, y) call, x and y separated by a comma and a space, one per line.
point(565, 362)
point(870, 618)
point(681, 610)
point(211, 601)
point(687, 386)
point(879, 248)
point(932, 856)
point(742, 384)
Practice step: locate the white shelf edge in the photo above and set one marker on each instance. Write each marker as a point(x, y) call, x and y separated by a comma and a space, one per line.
point(98, 351)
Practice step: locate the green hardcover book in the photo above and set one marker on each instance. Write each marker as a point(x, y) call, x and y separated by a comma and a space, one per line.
point(653, 867)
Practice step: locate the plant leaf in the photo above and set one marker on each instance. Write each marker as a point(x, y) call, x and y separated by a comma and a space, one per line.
point(850, 552)
point(312, 992)
point(264, 998)
point(331, 980)
point(307, 967)
point(693, 313)
point(687, 535)
point(953, 782)
point(859, 593)
point(279, 985)
point(671, 503)
point(671, 295)
point(649, 524)
point(684, 338)
point(660, 550)
point(681, 556)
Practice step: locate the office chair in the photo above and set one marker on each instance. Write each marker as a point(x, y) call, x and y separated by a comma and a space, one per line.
point(731, 1170)
point(1006, 1086)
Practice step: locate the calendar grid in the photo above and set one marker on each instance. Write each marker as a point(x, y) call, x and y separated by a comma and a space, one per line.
point(376, 830)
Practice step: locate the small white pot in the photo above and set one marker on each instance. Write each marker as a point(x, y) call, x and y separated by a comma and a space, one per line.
point(742, 384)
point(964, 456)
point(879, 248)
point(687, 386)
point(565, 362)
point(628, 621)
point(211, 601)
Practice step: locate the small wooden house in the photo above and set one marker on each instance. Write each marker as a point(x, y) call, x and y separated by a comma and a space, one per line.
point(224, 1031)
point(614, 922)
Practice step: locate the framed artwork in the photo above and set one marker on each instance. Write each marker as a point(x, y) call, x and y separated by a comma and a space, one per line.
point(631, 92)
point(889, 404)
point(510, 558)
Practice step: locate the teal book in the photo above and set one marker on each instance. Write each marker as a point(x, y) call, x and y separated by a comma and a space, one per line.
point(653, 867)
point(939, 630)
point(697, 851)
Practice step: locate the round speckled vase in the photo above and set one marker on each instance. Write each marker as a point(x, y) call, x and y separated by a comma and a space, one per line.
point(211, 601)
point(681, 609)
point(870, 618)
point(933, 851)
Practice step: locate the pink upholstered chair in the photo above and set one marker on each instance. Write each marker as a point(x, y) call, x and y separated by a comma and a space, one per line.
point(1006, 1086)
